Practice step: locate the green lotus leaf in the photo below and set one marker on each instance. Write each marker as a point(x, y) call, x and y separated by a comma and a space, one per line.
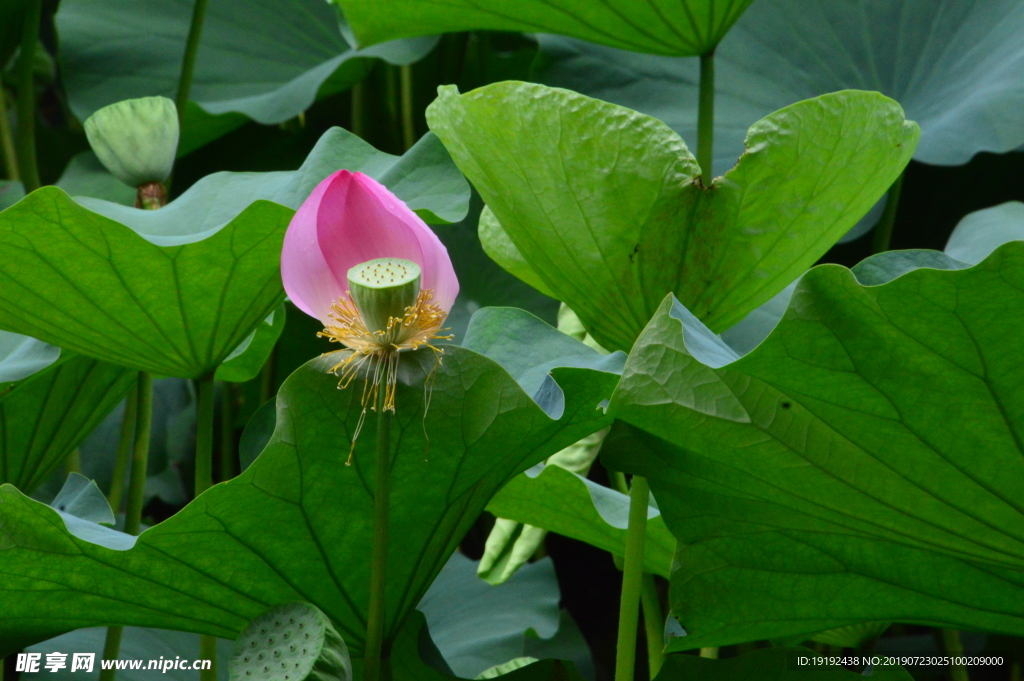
point(91, 285)
point(954, 65)
point(297, 524)
point(862, 464)
point(477, 626)
point(606, 206)
point(680, 29)
point(46, 415)
point(424, 177)
point(564, 502)
point(245, 361)
point(268, 60)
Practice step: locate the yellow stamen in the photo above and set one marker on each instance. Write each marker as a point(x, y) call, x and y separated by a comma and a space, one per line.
point(420, 325)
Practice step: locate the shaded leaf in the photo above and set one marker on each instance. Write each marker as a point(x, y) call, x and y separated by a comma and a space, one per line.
point(954, 65)
point(658, 26)
point(245, 361)
point(45, 416)
point(266, 59)
point(560, 501)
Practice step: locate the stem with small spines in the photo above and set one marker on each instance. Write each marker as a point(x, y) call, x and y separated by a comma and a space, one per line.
point(632, 580)
point(136, 494)
point(377, 612)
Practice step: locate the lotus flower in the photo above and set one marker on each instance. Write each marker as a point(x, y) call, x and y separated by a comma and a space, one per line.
point(359, 260)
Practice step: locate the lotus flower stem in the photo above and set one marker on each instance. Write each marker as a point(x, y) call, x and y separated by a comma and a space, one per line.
point(27, 97)
point(408, 124)
point(124, 451)
point(883, 230)
point(632, 580)
point(381, 516)
point(654, 624)
point(706, 117)
point(136, 493)
point(7, 140)
point(188, 61)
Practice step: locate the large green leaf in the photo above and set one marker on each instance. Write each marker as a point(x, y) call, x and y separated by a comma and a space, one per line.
point(424, 177)
point(606, 205)
point(673, 27)
point(79, 280)
point(298, 523)
point(769, 664)
point(564, 502)
point(864, 463)
point(954, 65)
point(44, 416)
point(266, 59)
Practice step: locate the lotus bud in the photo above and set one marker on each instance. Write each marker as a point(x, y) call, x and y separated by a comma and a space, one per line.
point(382, 289)
point(137, 140)
point(293, 642)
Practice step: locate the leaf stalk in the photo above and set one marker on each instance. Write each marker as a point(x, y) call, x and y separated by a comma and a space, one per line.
point(632, 580)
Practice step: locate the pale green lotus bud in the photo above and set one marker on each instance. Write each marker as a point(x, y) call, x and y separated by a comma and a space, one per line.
point(293, 642)
point(382, 289)
point(136, 139)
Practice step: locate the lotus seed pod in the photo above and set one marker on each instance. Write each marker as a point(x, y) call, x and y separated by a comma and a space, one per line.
point(382, 289)
point(136, 139)
point(293, 642)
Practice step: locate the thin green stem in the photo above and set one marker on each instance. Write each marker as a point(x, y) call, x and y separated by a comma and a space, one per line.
point(188, 60)
point(706, 117)
point(359, 108)
point(618, 482)
point(379, 560)
point(391, 87)
point(111, 650)
point(140, 454)
point(632, 580)
point(267, 379)
point(10, 156)
point(73, 463)
point(204, 436)
point(228, 465)
point(124, 451)
point(1015, 674)
point(883, 230)
point(208, 651)
point(954, 647)
point(408, 124)
point(204, 481)
point(136, 493)
point(654, 623)
point(27, 97)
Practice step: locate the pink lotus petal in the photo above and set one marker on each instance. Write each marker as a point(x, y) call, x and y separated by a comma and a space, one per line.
point(308, 280)
point(359, 220)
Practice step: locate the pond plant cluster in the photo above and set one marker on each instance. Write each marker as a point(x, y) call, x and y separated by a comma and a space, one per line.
point(550, 339)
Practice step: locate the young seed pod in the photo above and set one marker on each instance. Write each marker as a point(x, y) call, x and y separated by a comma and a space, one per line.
point(293, 642)
point(136, 139)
